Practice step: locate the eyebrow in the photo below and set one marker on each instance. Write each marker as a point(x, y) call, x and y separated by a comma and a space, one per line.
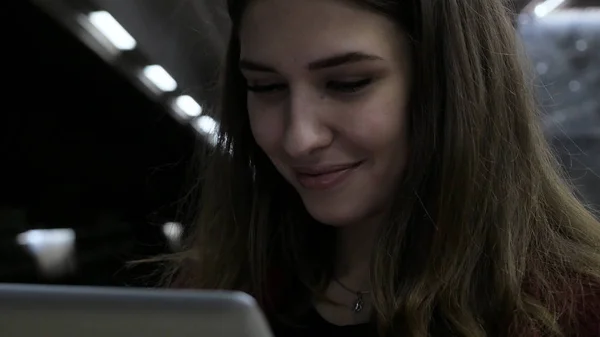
point(328, 62)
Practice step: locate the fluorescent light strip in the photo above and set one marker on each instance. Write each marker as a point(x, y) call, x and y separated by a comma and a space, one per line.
point(187, 106)
point(160, 78)
point(207, 126)
point(112, 30)
point(546, 7)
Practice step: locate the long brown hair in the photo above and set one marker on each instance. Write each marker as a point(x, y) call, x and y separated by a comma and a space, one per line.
point(485, 233)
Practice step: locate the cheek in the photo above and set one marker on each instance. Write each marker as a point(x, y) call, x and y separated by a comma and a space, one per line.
point(392, 128)
point(380, 127)
point(266, 128)
point(386, 147)
point(379, 121)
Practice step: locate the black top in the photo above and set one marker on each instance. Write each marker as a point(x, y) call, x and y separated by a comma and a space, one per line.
point(312, 324)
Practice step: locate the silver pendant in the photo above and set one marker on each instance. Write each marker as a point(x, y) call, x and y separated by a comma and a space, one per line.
point(358, 304)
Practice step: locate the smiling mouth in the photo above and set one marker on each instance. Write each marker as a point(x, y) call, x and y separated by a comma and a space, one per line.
point(323, 178)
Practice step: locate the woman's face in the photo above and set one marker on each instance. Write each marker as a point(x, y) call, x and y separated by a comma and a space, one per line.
point(328, 86)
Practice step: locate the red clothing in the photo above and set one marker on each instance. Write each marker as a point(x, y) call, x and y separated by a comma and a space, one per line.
point(586, 313)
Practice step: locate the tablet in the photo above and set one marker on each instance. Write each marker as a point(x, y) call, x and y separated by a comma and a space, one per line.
point(65, 311)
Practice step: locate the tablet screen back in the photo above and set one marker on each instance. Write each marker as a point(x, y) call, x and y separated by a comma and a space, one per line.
point(58, 311)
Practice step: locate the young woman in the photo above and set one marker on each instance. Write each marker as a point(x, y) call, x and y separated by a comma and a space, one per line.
point(381, 172)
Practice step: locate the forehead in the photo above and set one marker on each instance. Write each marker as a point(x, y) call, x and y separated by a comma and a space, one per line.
point(285, 31)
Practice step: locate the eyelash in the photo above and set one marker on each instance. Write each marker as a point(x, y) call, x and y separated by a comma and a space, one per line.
point(349, 87)
point(344, 87)
point(265, 88)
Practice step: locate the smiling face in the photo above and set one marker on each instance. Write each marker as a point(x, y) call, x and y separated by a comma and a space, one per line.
point(328, 86)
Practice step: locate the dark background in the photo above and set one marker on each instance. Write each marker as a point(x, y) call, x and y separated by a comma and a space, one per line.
point(82, 148)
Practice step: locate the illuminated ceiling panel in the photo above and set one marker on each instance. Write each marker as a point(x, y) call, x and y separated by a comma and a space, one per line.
point(147, 51)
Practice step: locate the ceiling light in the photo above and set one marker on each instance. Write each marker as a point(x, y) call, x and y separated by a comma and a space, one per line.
point(160, 78)
point(207, 126)
point(188, 106)
point(112, 30)
point(36, 238)
point(173, 230)
point(52, 249)
point(546, 7)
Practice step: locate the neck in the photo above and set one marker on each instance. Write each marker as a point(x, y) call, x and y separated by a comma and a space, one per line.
point(353, 253)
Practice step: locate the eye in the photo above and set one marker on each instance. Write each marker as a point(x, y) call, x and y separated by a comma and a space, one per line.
point(266, 88)
point(349, 87)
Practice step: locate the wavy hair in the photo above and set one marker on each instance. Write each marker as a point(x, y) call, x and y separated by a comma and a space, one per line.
point(486, 238)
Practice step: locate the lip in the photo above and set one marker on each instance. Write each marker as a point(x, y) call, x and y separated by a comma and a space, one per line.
point(324, 177)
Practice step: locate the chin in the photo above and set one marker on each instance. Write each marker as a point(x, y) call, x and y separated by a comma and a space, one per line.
point(333, 216)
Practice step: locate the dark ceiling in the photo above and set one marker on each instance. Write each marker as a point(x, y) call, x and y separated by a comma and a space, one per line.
point(187, 37)
point(80, 144)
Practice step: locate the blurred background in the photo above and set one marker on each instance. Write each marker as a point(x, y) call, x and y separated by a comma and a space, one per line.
point(104, 104)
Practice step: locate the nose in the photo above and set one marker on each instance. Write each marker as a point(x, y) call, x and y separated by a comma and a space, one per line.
point(306, 129)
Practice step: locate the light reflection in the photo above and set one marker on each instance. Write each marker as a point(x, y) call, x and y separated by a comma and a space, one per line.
point(52, 249)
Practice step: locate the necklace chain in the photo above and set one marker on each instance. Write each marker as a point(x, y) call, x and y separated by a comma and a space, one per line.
point(358, 302)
